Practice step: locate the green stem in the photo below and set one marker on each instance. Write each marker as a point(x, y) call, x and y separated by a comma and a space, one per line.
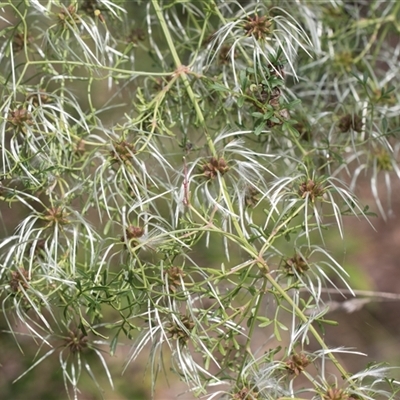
point(182, 73)
point(289, 300)
point(306, 320)
point(254, 315)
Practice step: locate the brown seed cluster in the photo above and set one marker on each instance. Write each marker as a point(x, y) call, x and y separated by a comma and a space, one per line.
point(38, 99)
point(296, 264)
point(68, 15)
point(259, 27)
point(79, 147)
point(20, 41)
point(251, 196)
point(245, 394)
point(122, 152)
point(224, 54)
point(19, 279)
point(310, 190)
point(297, 363)
point(336, 394)
point(76, 341)
point(56, 215)
point(214, 167)
point(350, 121)
point(178, 333)
point(174, 276)
point(19, 117)
point(133, 233)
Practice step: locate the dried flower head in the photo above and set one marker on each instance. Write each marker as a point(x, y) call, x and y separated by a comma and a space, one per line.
point(80, 147)
point(214, 166)
point(350, 121)
point(68, 15)
point(335, 394)
point(123, 151)
point(251, 196)
point(133, 233)
point(179, 333)
point(174, 276)
point(224, 54)
point(19, 117)
point(56, 215)
point(38, 98)
point(310, 190)
point(76, 341)
point(20, 41)
point(257, 26)
point(297, 363)
point(19, 279)
point(245, 394)
point(296, 264)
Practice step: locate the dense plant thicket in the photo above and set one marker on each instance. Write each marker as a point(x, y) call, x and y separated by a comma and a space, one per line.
point(173, 169)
